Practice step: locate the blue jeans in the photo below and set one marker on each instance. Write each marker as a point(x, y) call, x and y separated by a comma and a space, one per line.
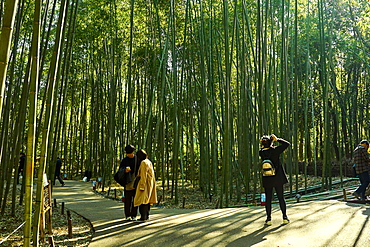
point(364, 180)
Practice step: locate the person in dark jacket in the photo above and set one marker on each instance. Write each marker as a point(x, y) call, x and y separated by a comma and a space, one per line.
point(131, 165)
point(277, 181)
point(362, 160)
point(22, 162)
point(58, 175)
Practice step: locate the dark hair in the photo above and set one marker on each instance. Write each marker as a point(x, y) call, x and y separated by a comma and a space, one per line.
point(266, 141)
point(141, 155)
point(129, 149)
point(22, 153)
point(364, 142)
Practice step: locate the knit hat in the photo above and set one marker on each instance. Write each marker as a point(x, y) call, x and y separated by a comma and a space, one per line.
point(129, 149)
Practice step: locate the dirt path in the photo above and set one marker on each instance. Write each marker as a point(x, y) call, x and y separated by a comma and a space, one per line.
point(323, 223)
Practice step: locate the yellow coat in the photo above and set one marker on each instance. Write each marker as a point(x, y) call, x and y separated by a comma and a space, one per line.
point(146, 192)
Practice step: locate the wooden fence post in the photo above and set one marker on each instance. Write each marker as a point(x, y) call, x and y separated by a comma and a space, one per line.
point(51, 241)
point(69, 224)
point(344, 194)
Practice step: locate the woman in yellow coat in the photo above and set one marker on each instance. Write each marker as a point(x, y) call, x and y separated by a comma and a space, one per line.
point(146, 193)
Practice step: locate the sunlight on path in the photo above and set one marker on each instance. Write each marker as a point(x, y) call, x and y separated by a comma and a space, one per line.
point(323, 223)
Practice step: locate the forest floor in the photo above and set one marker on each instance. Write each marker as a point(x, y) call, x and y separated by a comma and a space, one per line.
point(190, 198)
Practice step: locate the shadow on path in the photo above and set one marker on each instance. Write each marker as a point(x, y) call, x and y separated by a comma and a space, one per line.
point(323, 223)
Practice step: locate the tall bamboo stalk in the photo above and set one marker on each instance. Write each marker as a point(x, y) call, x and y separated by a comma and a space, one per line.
point(31, 141)
point(52, 77)
point(227, 117)
point(5, 41)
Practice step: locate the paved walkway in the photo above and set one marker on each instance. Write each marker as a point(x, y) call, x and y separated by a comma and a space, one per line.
point(322, 223)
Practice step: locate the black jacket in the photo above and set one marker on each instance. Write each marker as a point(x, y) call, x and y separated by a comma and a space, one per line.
point(58, 167)
point(22, 162)
point(131, 163)
point(273, 154)
point(127, 178)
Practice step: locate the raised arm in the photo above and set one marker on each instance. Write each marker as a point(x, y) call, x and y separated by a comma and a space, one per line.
point(283, 145)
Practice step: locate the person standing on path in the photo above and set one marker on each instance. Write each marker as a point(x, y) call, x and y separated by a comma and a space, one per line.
point(58, 167)
point(362, 167)
point(270, 152)
point(22, 162)
point(146, 191)
point(130, 164)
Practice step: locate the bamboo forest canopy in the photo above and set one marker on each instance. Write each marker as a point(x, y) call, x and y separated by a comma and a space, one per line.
point(194, 83)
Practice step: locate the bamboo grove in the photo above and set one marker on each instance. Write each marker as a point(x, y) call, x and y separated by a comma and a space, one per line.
point(195, 83)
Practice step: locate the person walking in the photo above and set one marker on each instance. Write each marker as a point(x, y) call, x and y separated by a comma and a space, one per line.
point(362, 167)
point(58, 167)
point(146, 191)
point(130, 164)
point(277, 180)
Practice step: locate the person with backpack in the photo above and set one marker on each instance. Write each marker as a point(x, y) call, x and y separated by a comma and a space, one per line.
point(130, 166)
point(273, 174)
point(362, 167)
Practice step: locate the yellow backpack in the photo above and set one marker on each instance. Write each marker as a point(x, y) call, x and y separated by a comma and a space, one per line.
point(268, 168)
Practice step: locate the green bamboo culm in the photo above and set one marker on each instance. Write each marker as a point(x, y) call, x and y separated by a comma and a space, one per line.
point(129, 137)
point(326, 184)
point(227, 110)
point(53, 71)
point(5, 41)
point(31, 141)
point(176, 141)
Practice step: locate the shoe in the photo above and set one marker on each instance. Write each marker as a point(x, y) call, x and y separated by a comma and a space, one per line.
point(285, 222)
point(357, 195)
point(128, 218)
point(133, 218)
point(63, 184)
point(141, 221)
point(268, 223)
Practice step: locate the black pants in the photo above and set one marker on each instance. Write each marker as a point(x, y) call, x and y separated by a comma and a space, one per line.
point(59, 179)
point(130, 210)
point(144, 211)
point(280, 195)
